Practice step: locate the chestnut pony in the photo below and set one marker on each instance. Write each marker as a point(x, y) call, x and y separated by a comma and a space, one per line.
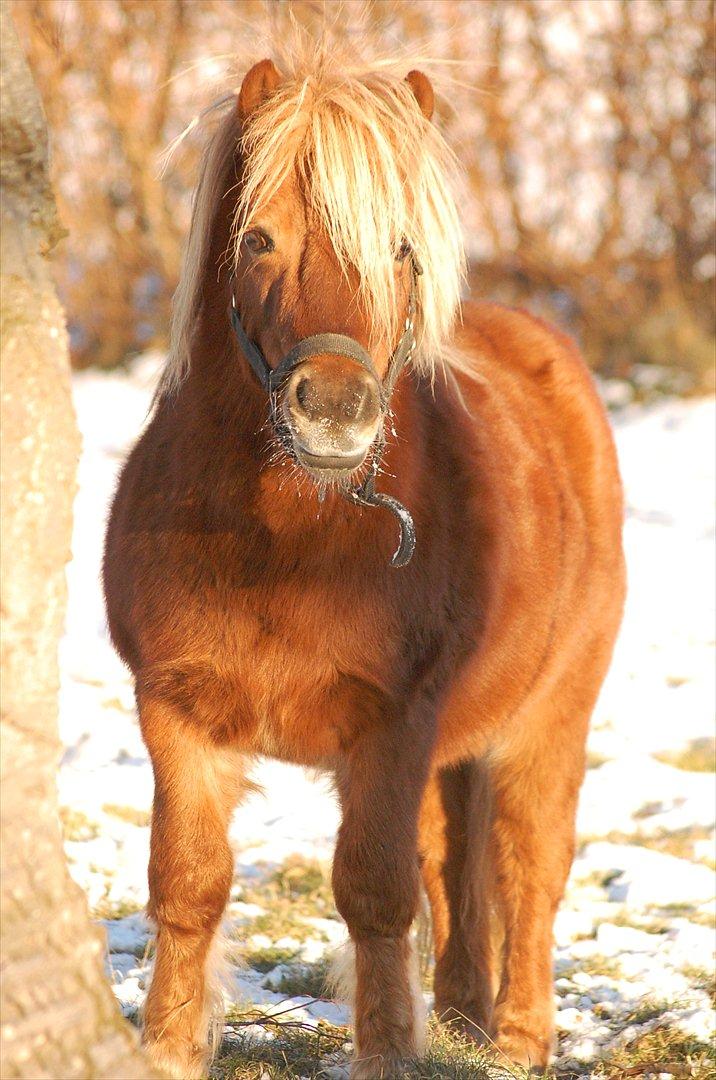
point(312, 414)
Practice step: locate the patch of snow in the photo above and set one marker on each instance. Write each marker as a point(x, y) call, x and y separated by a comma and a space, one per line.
point(127, 935)
point(616, 940)
point(646, 878)
point(644, 795)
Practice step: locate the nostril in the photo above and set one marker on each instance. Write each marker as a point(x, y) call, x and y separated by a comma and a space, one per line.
point(302, 390)
point(368, 403)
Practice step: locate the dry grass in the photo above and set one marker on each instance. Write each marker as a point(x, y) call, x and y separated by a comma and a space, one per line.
point(76, 825)
point(282, 1047)
point(299, 890)
point(129, 814)
point(288, 1049)
point(702, 979)
point(295, 1050)
point(698, 756)
point(700, 917)
point(595, 760)
point(115, 909)
point(679, 842)
point(605, 966)
point(663, 1050)
point(303, 979)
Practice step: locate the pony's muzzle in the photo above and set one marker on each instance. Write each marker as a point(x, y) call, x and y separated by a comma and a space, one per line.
point(333, 409)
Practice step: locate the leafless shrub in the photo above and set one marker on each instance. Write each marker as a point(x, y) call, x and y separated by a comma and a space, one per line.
point(586, 128)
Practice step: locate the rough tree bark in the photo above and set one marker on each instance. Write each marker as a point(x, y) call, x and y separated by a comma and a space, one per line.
point(60, 1019)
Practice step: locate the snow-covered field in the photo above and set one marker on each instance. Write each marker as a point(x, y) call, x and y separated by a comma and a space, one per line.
point(634, 936)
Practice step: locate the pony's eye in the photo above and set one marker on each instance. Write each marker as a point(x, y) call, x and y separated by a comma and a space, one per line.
point(257, 242)
point(403, 251)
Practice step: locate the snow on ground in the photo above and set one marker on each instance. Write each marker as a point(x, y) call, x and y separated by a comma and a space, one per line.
point(635, 926)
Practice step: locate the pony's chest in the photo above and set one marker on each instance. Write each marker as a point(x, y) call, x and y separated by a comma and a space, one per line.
point(287, 625)
point(292, 671)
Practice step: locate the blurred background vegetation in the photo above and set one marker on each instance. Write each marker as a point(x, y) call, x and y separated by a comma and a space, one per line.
point(586, 129)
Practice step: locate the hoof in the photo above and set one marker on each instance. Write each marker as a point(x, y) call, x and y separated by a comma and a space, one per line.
point(177, 1060)
point(379, 1067)
point(530, 1052)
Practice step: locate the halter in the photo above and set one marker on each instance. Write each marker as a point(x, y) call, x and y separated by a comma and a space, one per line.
point(272, 379)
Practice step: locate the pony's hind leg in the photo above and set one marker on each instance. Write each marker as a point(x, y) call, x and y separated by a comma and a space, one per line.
point(376, 887)
point(454, 832)
point(536, 785)
point(197, 786)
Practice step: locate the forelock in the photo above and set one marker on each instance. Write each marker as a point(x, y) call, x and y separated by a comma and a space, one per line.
point(375, 173)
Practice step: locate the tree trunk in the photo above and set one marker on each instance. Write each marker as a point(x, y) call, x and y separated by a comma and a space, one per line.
point(60, 1019)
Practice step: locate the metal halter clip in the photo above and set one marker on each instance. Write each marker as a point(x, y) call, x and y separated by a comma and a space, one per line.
point(366, 495)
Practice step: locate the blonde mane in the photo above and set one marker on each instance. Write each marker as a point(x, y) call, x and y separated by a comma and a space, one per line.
point(374, 172)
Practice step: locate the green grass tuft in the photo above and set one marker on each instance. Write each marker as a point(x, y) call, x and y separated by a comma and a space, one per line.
point(304, 980)
point(450, 1055)
point(265, 960)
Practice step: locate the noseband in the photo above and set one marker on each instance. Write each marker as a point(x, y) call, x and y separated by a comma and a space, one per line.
point(272, 379)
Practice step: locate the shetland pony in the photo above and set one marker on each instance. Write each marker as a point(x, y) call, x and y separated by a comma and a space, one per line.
point(317, 405)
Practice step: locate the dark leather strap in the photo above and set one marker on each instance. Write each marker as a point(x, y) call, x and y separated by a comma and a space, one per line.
point(251, 351)
point(338, 344)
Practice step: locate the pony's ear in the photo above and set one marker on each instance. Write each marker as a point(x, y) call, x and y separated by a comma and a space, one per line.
point(422, 88)
point(259, 82)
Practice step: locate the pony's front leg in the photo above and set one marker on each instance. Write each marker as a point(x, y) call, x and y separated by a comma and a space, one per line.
point(197, 785)
point(376, 886)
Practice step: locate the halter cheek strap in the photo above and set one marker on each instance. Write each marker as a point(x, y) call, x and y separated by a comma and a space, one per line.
point(271, 379)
